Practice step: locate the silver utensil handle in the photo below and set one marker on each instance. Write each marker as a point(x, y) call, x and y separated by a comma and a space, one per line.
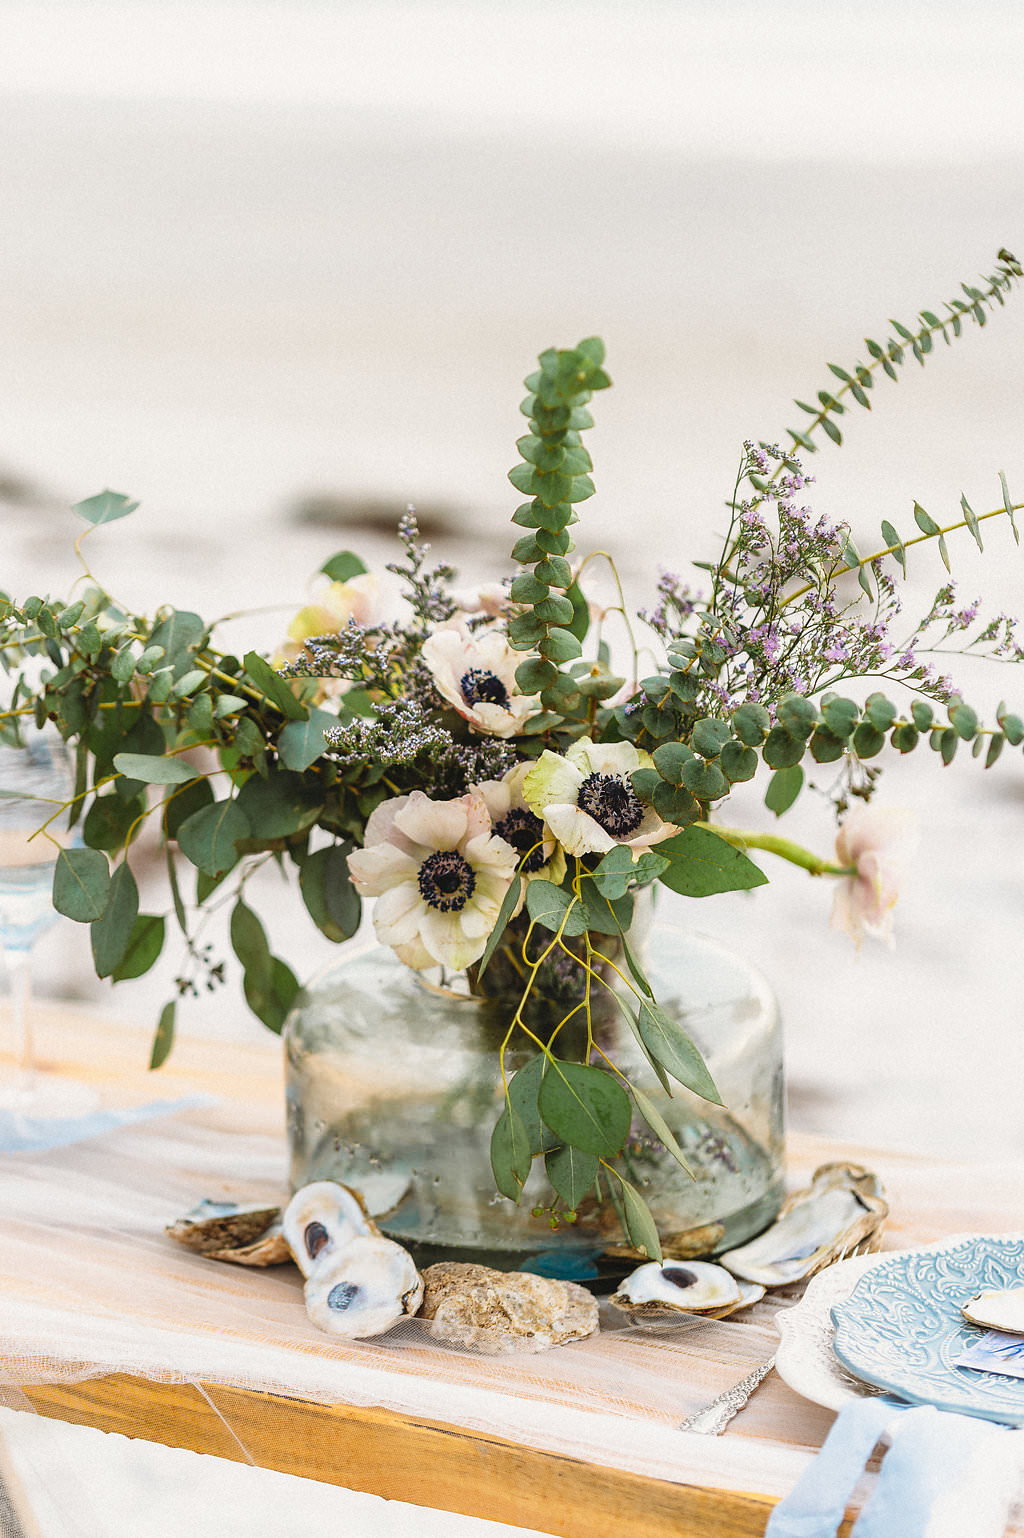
point(717, 1415)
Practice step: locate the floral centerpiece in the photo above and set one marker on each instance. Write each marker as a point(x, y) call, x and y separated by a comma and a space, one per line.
point(482, 770)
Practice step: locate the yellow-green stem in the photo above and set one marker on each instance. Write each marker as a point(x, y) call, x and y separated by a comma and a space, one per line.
point(785, 848)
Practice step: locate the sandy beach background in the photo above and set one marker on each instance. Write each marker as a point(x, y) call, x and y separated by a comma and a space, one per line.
point(278, 270)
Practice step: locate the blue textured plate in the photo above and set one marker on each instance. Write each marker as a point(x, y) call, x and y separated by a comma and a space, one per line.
point(901, 1328)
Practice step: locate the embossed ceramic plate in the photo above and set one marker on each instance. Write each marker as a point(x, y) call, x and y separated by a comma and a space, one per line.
point(901, 1328)
point(805, 1359)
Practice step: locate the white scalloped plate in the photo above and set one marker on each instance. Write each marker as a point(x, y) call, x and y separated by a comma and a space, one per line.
point(805, 1359)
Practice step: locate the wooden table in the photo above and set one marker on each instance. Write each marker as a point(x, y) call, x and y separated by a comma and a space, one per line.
point(437, 1463)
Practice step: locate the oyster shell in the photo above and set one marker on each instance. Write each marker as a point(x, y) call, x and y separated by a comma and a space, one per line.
point(322, 1219)
point(499, 1312)
point(998, 1308)
point(684, 1244)
point(363, 1288)
point(843, 1209)
point(698, 1287)
point(248, 1236)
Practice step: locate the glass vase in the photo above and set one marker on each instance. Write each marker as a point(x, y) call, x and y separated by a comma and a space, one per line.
point(393, 1088)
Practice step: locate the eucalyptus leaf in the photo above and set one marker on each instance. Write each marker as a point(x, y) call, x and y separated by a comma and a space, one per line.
point(112, 932)
point(641, 1229)
point(81, 884)
point(302, 742)
point(277, 689)
point(702, 863)
point(523, 1090)
point(145, 944)
point(208, 837)
point(279, 805)
point(585, 1107)
point(618, 871)
point(783, 788)
point(155, 771)
point(572, 1173)
point(510, 1153)
point(670, 1045)
point(181, 801)
point(271, 1001)
point(104, 507)
point(163, 1041)
point(343, 566)
point(548, 905)
point(660, 1127)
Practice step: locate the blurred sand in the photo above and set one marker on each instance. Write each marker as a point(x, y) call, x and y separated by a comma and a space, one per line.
point(227, 302)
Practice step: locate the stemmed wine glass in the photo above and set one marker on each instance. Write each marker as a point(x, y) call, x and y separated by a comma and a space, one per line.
point(36, 778)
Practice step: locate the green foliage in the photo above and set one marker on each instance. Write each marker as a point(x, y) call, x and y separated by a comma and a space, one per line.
point(701, 863)
point(81, 884)
point(915, 341)
point(585, 1107)
point(554, 472)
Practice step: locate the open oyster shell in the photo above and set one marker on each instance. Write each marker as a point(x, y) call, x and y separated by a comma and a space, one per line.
point(998, 1308)
point(364, 1288)
point(247, 1236)
point(843, 1209)
point(322, 1219)
point(698, 1287)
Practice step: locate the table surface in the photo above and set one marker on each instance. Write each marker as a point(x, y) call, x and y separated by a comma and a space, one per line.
point(580, 1441)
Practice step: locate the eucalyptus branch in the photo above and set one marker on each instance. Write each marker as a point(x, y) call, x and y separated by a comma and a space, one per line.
point(897, 547)
point(890, 356)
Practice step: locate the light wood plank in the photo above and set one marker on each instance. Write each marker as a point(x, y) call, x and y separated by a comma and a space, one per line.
point(408, 1459)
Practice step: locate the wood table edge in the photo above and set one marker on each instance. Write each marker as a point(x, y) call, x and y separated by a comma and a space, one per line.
point(406, 1458)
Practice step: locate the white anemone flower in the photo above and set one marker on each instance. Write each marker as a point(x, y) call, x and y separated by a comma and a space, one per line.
point(588, 802)
point(517, 825)
point(476, 672)
point(439, 875)
point(875, 840)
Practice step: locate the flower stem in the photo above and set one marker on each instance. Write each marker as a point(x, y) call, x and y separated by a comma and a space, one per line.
point(785, 848)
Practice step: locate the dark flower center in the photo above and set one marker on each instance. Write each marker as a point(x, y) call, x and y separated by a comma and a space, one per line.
point(611, 800)
point(341, 1296)
point(479, 686)
point(446, 881)
point(524, 831)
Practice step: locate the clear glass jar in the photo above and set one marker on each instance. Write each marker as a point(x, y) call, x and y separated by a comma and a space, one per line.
point(393, 1088)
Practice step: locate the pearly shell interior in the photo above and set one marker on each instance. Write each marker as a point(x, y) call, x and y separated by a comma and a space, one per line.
point(1000, 1308)
point(693, 1287)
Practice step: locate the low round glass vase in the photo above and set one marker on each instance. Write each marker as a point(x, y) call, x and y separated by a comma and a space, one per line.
point(393, 1088)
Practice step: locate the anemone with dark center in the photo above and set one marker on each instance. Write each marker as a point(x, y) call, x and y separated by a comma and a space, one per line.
point(479, 686)
point(524, 831)
point(446, 881)
point(611, 800)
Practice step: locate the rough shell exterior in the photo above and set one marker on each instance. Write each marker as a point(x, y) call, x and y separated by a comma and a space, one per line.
point(247, 1236)
point(685, 1244)
point(816, 1227)
point(363, 1289)
point(496, 1312)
